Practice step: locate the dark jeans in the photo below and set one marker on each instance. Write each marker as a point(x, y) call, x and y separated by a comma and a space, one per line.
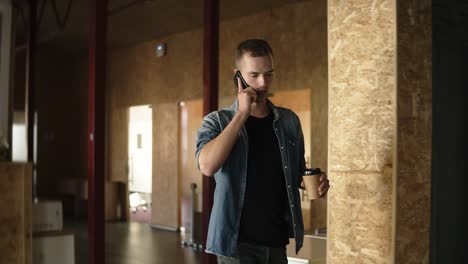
point(253, 254)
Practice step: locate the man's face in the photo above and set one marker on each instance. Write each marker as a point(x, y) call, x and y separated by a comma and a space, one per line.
point(257, 72)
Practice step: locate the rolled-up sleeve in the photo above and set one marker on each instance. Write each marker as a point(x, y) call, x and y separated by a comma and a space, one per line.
point(209, 130)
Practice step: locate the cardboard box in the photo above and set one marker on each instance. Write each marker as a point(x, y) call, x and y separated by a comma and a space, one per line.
point(47, 216)
point(54, 248)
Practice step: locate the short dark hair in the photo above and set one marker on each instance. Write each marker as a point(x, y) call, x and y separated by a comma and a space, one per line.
point(256, 48)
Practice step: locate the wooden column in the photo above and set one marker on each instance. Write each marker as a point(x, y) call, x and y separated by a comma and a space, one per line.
point(380, 99)
point(96, 129)
point(361, 130)
point(412, 191)
point(210, 100)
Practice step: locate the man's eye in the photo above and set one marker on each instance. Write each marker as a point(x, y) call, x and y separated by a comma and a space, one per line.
point(254, 75)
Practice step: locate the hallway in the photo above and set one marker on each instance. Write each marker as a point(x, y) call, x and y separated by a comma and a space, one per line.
point(136, 243)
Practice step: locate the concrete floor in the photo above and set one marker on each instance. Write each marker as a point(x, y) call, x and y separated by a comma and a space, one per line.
point(135, 243)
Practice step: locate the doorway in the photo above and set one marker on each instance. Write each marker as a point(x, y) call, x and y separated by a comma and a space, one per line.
point(140, 162)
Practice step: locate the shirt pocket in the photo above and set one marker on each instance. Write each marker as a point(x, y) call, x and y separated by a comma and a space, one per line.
point(293, 153)
point(293, 147)
point(292, 142)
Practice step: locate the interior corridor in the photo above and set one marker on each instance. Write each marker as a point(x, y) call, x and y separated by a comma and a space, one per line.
point(135, 243)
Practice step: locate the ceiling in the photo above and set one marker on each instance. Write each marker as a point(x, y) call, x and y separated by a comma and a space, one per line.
point(129, 21)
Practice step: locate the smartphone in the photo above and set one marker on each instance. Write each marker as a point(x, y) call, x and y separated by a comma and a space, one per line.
point(243, 82)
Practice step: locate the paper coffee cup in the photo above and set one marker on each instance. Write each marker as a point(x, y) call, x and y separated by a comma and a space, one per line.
point(311, 178)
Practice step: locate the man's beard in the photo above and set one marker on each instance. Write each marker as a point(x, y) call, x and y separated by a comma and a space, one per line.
point(261, 95)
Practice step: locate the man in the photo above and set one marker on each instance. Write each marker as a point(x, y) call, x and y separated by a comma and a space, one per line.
point(255, 151)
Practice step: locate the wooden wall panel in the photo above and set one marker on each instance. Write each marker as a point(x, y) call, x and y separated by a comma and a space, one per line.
point(15, 213)
point(414, 139)
point(191, 114)
point(165, 202)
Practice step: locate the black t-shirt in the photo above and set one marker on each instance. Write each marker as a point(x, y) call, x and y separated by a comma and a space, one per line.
point(263, 213)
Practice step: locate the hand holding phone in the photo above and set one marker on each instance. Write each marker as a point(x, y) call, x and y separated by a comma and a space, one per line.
point(247, 96)
point(243, 82)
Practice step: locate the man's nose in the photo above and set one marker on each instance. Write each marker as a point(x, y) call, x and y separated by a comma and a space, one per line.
point(261, 81)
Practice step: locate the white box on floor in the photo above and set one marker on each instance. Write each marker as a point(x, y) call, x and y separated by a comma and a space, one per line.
point(47, 216)
point(54, 248)
point(292, 260)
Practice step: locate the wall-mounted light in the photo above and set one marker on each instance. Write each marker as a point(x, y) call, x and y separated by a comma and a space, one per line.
point(161, 49)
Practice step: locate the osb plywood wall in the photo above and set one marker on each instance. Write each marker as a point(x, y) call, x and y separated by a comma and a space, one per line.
point(190, 117)
point(137, 77)
point(296, 32)
point(15, 213)
point(361, 130)
point(379, 131)
point(414, 118)
point(165, 199)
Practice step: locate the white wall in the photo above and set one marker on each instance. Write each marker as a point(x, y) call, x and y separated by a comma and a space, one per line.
point(140, 155)
point(18, 146)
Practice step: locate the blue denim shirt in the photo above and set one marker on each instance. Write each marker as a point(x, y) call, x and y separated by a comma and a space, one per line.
point(223, 230)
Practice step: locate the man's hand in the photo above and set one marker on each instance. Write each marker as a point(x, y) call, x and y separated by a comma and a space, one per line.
point(245, 97)
point(324, 185)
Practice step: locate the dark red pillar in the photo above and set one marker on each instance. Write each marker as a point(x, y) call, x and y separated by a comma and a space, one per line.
point(96, 129)
point(210, 100)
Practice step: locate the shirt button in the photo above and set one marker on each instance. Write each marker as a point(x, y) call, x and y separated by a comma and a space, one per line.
point(285, 167)
point(289, 186)
point(281, 147)
point(292, 205)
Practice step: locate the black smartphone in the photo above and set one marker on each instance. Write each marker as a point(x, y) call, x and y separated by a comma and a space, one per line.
point(243, 82)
